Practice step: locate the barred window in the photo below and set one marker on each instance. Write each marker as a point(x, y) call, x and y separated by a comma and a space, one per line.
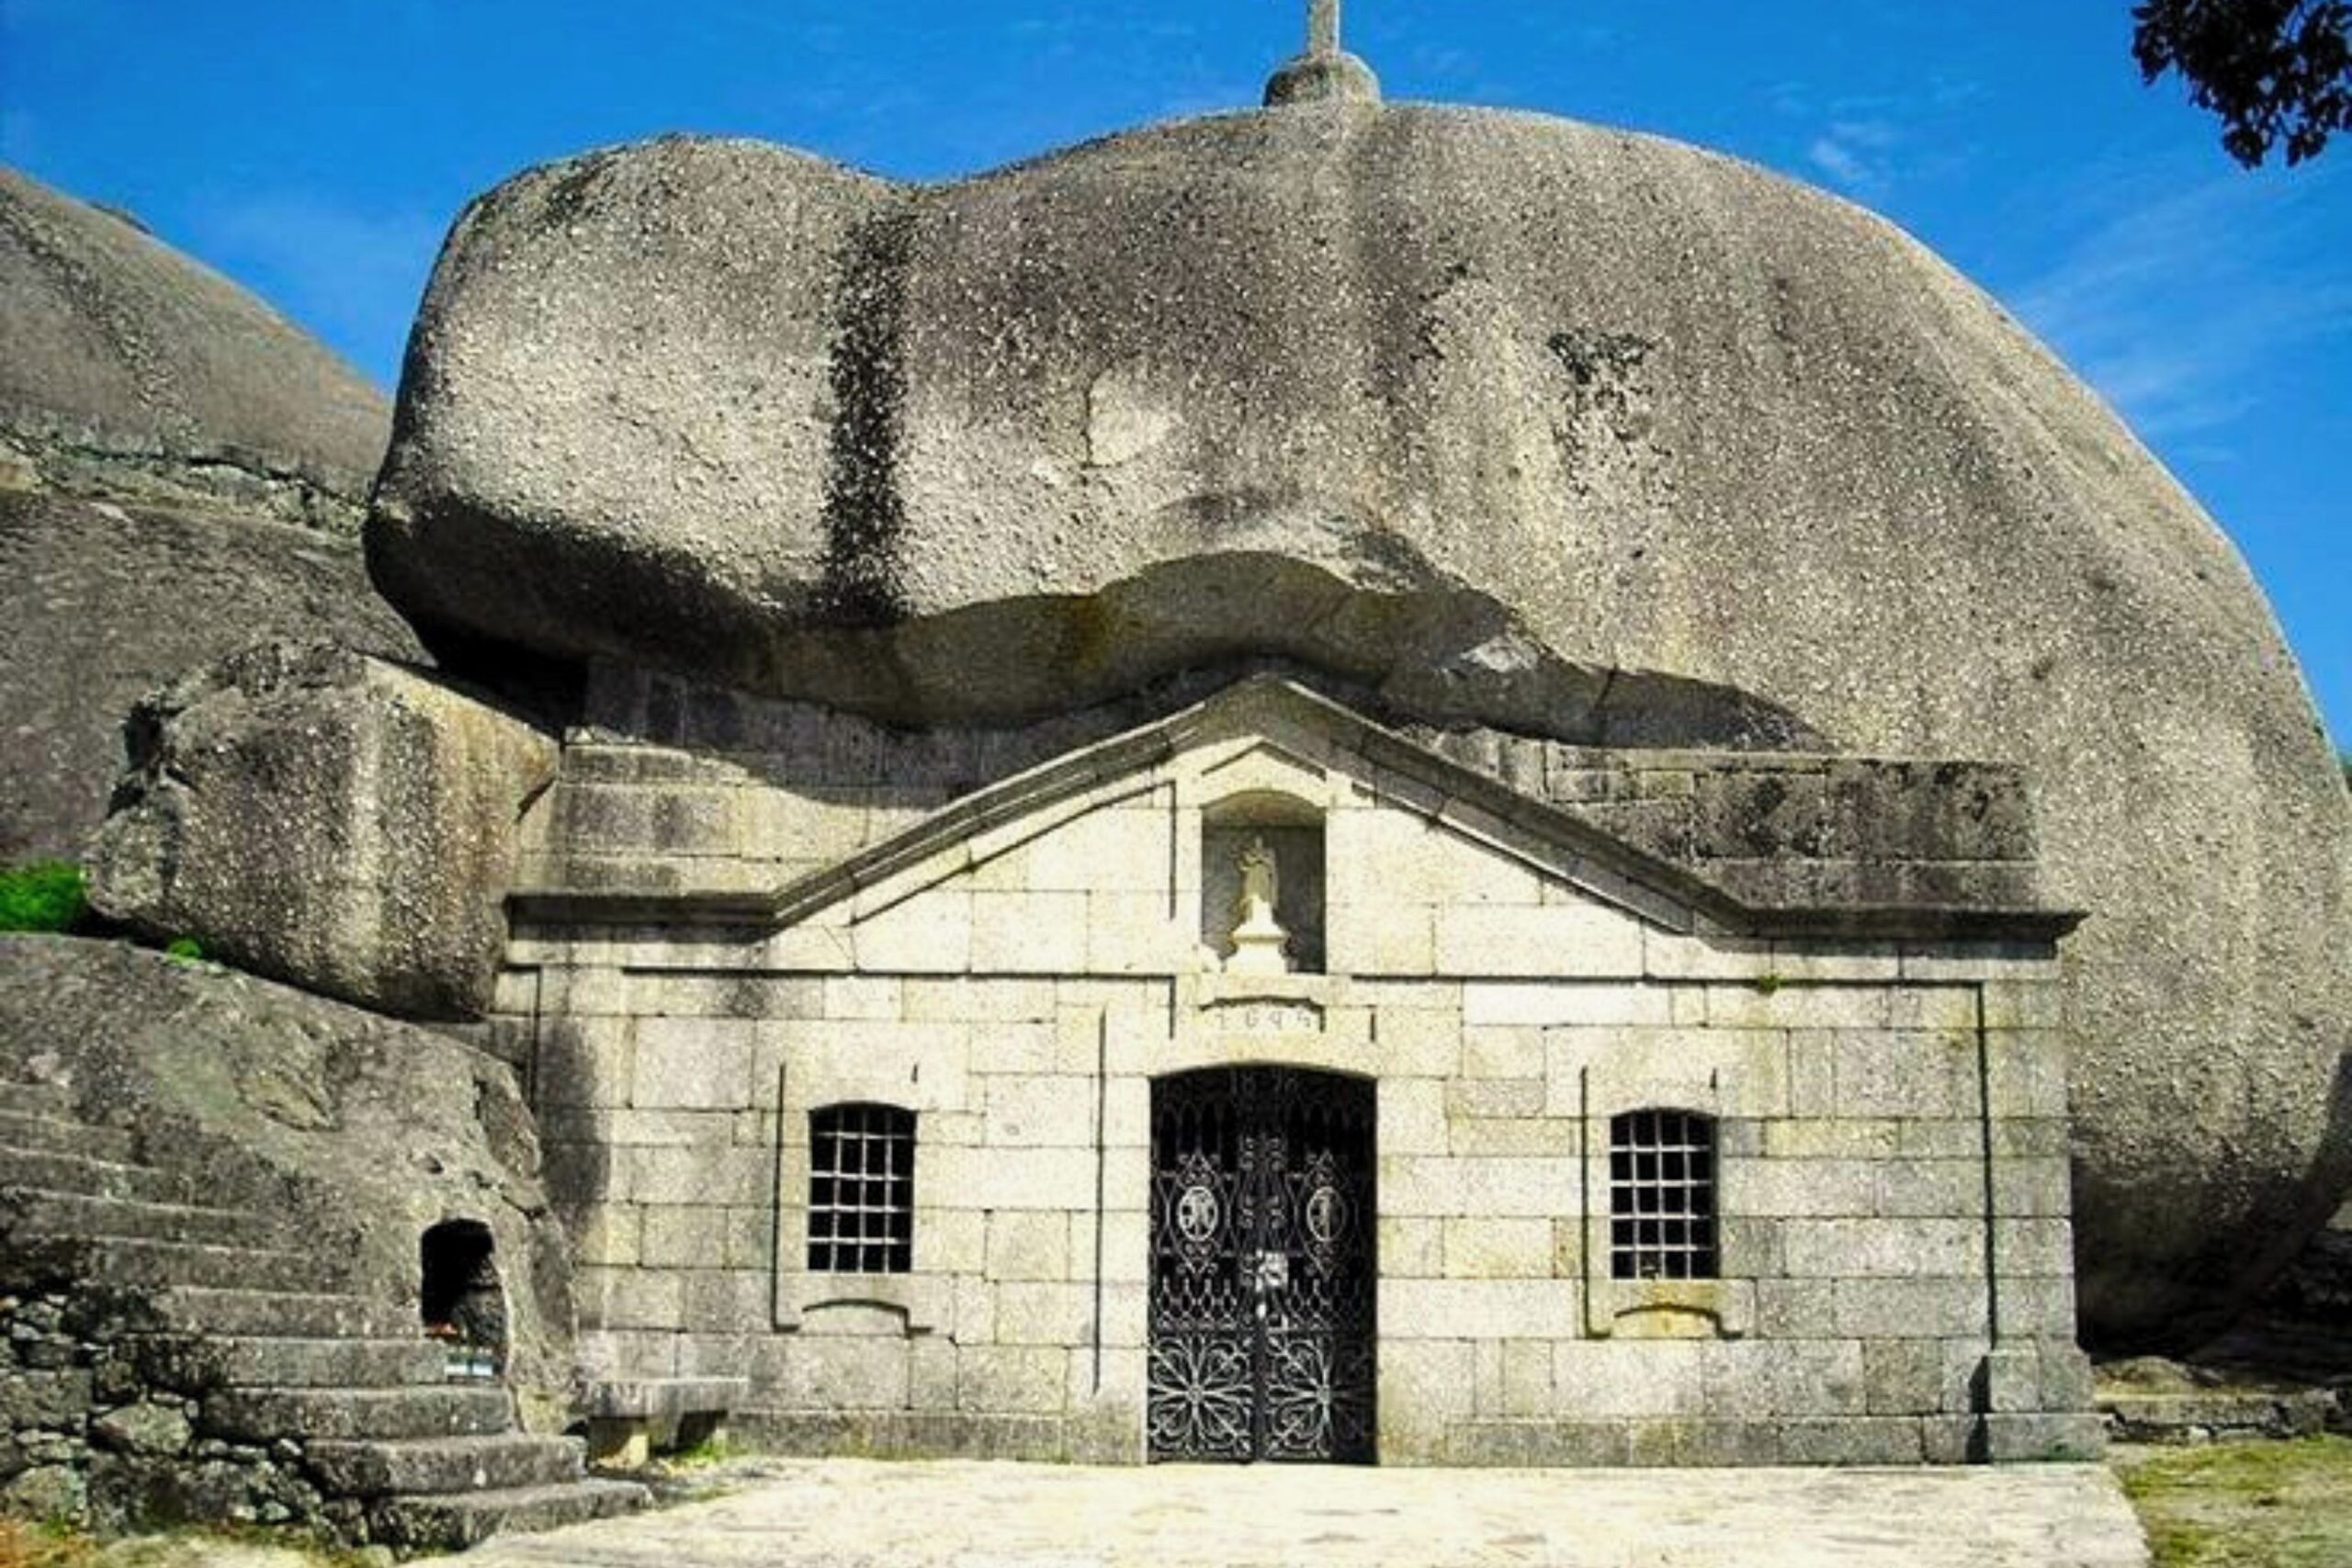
point(861, 1188)
point(1662, 1195)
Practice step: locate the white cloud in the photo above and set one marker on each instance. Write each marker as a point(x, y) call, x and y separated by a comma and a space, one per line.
point(1876, 134)
point(1838, 161)
point(2172, 302)
point(1860, 155)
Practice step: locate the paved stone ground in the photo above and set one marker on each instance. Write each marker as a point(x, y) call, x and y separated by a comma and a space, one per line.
point(852, 1514)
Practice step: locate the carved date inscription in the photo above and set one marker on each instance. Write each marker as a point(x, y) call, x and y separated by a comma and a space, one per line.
point(1265, 1015)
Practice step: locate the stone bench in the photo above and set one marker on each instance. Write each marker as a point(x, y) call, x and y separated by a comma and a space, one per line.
point(628, 1418)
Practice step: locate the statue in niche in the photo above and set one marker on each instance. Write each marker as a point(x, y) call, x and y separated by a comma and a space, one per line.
point(1260, 943)
point(1262, 881)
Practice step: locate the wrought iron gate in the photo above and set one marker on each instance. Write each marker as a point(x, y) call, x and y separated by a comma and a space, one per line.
point(1262, 1268)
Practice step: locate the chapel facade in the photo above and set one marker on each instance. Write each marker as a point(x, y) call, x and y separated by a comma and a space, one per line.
point(1257, 1081)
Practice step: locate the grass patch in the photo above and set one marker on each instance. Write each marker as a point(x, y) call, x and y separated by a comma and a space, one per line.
point(2255, 1504)
point(46, 896)
point(26, 1545)
point(714, 1466)
point(717, 1448)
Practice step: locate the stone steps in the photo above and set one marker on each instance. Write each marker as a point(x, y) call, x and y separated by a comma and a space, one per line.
point(198, 1361)
point(62, 1135)
point(258, 1415)
point(139, 1262)
point(241, 1313)
point(54, 1102)
point(214, 1302)
point(499, 1462)
point(455, 1520)
point(46, 1212)
point(2202, 1414)
point(52, 1171)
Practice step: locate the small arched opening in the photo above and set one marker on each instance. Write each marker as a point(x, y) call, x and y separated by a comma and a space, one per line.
point(460, 1296)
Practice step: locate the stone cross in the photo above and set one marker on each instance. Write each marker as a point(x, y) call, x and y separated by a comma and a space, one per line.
point(1326, 72)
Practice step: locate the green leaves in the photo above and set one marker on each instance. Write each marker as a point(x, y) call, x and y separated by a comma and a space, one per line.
point(2270, 69)
point(46, 896)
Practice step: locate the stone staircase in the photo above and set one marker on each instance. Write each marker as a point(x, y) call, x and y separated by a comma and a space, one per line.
point(211, 1304)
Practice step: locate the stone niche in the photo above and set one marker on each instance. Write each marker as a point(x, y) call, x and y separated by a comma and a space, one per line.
point(1555, 1149)
point(1289, 834)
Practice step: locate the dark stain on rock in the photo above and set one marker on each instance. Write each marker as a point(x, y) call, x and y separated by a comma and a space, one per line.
point(567, 197)
point(1594, 357)
point(865, 514)
point(1605, 433)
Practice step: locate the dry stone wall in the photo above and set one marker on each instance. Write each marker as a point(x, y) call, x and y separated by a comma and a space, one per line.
point(99, 1434)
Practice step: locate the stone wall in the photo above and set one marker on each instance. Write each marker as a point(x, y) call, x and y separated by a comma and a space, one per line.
point(97, 1432)
point(1895, 1279)
point(673, 786)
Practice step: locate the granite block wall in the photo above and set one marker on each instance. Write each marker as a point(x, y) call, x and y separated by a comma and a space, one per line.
point(1894, 1277)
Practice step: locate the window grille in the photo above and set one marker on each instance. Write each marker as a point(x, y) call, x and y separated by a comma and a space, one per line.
point(1662, 1195)
point(861, 1188)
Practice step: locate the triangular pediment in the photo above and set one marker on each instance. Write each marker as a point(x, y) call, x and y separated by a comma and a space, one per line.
point(1261, 740)
point(1266, 740)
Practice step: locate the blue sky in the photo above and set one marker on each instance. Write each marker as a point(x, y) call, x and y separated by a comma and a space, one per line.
point(316, 151)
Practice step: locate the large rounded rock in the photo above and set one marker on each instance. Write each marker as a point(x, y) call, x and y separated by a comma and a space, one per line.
point(106, 602)
point(314, 814)
point(181, 472)
point(126, 368)
point(1523, 422)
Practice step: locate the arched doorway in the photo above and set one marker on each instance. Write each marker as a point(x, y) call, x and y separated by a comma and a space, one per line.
point(459, 1297)
point(1263, 1268)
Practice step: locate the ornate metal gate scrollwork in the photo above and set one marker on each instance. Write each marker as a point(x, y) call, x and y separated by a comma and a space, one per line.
point(1262, 1268)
